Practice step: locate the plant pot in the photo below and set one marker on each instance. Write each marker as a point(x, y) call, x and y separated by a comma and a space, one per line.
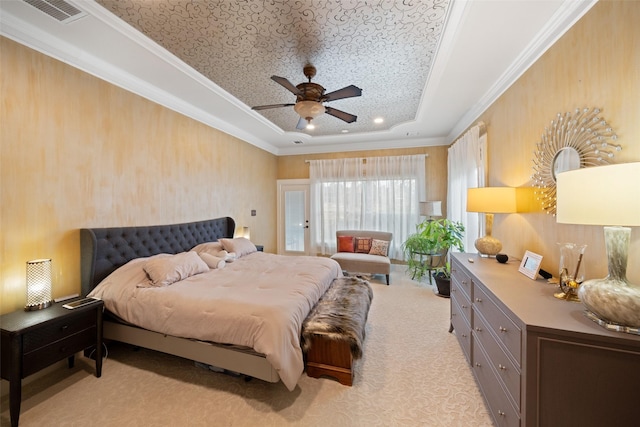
point(443, 283)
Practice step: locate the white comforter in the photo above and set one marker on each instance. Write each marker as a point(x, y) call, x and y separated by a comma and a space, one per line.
point(258, 301)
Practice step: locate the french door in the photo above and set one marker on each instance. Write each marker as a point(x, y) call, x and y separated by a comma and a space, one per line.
point(293, 217)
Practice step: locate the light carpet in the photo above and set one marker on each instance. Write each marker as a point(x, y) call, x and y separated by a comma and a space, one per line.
point(413, 373)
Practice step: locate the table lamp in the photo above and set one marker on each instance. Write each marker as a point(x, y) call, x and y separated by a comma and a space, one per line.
point(491, 200)
point(38, 284)
point(431, 208)
point(606, 195)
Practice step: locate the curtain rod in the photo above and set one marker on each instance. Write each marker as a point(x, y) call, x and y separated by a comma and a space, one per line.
point(364, 159)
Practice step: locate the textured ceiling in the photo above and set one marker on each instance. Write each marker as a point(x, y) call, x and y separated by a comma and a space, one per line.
point(385, 48)
point(428, 67)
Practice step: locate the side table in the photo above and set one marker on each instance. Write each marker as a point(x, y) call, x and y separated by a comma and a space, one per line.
point(33, 340)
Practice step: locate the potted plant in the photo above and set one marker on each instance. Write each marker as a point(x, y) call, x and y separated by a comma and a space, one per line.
point(426, 250)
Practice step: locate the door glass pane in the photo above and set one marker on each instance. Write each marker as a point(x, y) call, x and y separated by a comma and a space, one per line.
point(294, 220)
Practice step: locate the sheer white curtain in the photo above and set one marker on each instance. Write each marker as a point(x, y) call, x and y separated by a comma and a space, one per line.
point(467, 165)
point(374, 193)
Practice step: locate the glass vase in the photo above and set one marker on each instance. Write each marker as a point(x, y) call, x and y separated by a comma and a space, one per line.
point(571, 270)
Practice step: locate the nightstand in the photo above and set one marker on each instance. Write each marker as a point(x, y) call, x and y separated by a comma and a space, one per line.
point(33, 340)
point(260, 248)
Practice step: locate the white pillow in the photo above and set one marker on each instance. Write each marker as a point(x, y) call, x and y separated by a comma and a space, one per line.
point(240, 246)
point(165, 271)
point(212, 261)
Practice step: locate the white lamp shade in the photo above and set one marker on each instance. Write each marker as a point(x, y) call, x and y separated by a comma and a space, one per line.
point(492, 200)
point(600, 195)
point(431, 208)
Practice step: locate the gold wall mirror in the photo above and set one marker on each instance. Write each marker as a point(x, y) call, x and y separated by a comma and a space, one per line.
point(577, 139)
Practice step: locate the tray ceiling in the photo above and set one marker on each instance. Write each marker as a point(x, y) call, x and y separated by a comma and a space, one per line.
point(428, 68)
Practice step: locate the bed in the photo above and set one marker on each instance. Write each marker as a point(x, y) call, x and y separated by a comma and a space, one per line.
point(245, 317)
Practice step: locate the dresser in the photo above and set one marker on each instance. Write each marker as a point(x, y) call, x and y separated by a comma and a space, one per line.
point(538, 360)
point(33, 340)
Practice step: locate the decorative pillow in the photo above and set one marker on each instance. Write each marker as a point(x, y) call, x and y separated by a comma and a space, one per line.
point(345, 244)
point(240, 246)
point(212, 248)
point(165, 271)
point(363, 245)
point(379, 247)
point(213, 261)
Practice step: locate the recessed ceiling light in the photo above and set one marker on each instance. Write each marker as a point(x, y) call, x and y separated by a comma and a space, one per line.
point(311, 126)
point(345, 131)
point(378, 120)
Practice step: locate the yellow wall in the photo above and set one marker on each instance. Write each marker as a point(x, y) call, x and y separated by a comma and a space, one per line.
point(596, 64)
point(79, 152)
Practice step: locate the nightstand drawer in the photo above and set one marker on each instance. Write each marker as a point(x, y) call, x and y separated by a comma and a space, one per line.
point(58, 350)
point(58, 330)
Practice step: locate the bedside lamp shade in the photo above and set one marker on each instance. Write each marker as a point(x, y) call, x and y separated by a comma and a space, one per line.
point(431, 208)
point(490, 200)
point(38, 284)
point(606, 195)
point(243, 232)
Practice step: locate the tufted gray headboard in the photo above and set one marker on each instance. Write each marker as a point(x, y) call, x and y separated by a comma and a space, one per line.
point(102, 250)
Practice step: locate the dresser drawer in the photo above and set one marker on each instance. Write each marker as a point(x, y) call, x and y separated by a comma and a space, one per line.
point(498, 323)
point(500, 407)
point(462, 329)
point(58, 330)
point(459, 296)
point(503, 365)
point(58, 350)
point(462, 279)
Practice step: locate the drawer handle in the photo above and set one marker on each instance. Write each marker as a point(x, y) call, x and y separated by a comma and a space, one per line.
point(464, 282)
point(502, 414)
point(64, 327)
point(464, 335)
point(454, 290)
point(464, 306)
point(478, 299)
point(502, 367)
point(479, 329)
point(502, 329)
point(453, 314)
point(478, 365)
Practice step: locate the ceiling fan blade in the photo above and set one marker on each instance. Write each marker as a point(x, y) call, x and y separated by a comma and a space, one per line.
point(286, 84)
point(345, 92)
point(349, 118)
point(302, 124)
point(266, 107)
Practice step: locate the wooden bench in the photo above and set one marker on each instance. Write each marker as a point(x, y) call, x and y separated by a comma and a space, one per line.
point(333, 333)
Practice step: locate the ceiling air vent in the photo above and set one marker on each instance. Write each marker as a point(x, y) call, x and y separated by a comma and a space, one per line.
point(58, 9)
point(297, 142)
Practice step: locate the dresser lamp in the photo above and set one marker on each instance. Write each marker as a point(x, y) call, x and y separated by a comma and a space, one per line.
point(491, 200)
point(38, 284)
point(604, 195)
point(431, 208)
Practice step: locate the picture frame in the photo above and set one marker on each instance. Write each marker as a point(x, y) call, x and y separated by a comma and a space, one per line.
point(530, 265)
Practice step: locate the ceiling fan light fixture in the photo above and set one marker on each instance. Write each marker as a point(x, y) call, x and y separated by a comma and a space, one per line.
point(309, 110)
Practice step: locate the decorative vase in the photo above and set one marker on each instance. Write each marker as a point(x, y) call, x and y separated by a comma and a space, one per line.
point(443, 283)
point(613, 300)
point(571, 271)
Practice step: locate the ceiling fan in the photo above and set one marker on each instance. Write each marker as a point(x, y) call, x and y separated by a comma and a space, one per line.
point(310, 98)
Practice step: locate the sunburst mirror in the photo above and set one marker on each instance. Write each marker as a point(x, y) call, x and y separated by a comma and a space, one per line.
point(574, 140)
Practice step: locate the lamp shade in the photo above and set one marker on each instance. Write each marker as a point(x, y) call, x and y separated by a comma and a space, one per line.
point(492, 200)
point(38, 284)
point(600, 195)
point(431, 208)
point(309, 109)
point(243, 232)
